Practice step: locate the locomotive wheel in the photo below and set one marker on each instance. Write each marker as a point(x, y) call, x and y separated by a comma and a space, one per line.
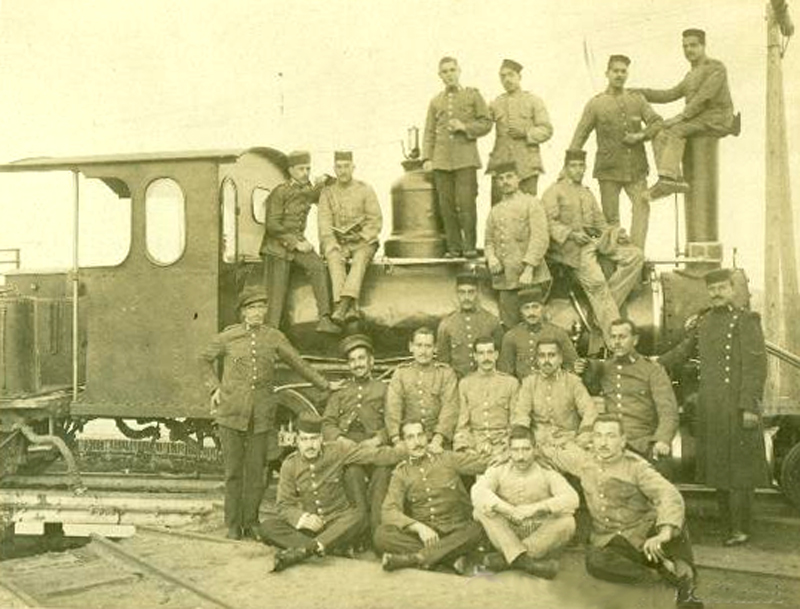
point(790, 475)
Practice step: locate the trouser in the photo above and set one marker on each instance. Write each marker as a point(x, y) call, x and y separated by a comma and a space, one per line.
point(528, 185)
point(392, 539)
point(342, 282)
point(607, 296)
point(457, 192)
point(735, 509)
point(277, 272)
point(508, 305)
point(669, 144)
point(537, 538)
point(340, 531)
point(640, 206)
point(619, 561)
point(367, 497)
point(245, 457)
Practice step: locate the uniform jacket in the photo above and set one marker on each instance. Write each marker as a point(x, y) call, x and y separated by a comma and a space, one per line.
point(518, 353)
point(517, 234)
point(317, 487)
point(286, 216)
point(429, 490)
point(249, 356)
point(733, 368)
point(340, 206)
point(640, 391)
point(356, 411)
point(485, 403)
point(458, 331)
point(526, 112)
point(611, 116)
point(448, 151)
point(708, 98)
point(428, 393)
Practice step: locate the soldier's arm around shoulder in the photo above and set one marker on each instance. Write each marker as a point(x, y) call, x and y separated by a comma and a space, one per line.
point(482, 123)
point(754, 362)
point(685, 348)
point(466, 464)
point(585, 126)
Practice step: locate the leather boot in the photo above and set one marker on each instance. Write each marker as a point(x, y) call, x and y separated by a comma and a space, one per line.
point(327, 326)
point(288, 557)
point(339, 314)
point(546, 569)
point(393, 562)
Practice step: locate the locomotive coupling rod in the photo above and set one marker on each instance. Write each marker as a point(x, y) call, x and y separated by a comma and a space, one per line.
point(74, 477)
point(782, 354)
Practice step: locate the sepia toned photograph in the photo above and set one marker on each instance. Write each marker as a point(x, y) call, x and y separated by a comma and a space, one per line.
point(357, 305)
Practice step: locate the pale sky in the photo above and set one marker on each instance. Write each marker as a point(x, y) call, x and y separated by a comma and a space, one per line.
point(100, 77)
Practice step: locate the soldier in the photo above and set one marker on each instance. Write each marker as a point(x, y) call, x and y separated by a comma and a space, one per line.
point(424, 390)
point(457, 117)
point(349, 225)
point(616, 117)
point(708, 111)
point(486, 398)
point(244, 406)
point(314, 515)
point(555, 405)
point(284, 244)
point(516, 243)
point(580, 234)
point(458, 331)
point(522, 124)
point(355, 415)
point(733, 368)
point(639, 391)
point(427, 516)
point(518, 353)
point(638, 517)
point(526, 510)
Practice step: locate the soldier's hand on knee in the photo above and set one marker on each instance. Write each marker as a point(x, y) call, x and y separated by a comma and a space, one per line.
point(660, 449)
point(653, 546)
point(426, 535)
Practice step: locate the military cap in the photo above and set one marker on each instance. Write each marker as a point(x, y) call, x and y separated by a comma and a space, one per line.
point(505, 168)
point(620, 58)
point(348, 343)
point(697, 33)
point(342, 155)
point(574, 155)
point(252, 294)
point(466, 278)
point(530, 295)
point(511, 64)
point(298, 157)
point(718, 276)
point(309, 423)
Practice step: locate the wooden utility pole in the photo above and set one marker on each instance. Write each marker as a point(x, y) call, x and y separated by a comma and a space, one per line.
point(781, 302)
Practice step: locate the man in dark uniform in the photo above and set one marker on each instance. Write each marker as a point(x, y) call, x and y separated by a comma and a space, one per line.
point(616, 117)
point(458, 331)
point(424, 390)
point(708, 111)
point(314, 515)
point(733, 370)
point(427, 515)
point(355, 416)
point(285, 245)
point(244, 406)
point(457, 117)
point(518, 353)
point(522, 124)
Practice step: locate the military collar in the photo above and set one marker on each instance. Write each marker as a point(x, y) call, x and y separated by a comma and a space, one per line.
point(553, 377)
point(453, 89)
point(364, 380)
point(417, 460)
point(418, 366)
point(537, 327)
point(631, 358)
point(612, 91)
point(253, 328)
point(296, 184)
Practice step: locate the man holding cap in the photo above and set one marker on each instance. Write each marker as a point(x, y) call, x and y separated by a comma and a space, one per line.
point(729, 343)
point(350, 221)
point(708, 111)
point(521, 125)
point(616, 116)
point(516, 243)
point(458, 331)
point(244, 405)
point(518, 353)
point(355, 415)
point(285, 245)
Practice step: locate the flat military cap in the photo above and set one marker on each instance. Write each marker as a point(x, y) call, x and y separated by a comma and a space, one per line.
point(619, 58)
point(697, 33)
point(466, 278)
point(309, 423)
point(342, 155)
point(252, 294)
point(508, 166)
point(348, 343)
point(530, 295)
point(511, 64)
point(298, 157)
point(574, 155)
point(718, 276)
